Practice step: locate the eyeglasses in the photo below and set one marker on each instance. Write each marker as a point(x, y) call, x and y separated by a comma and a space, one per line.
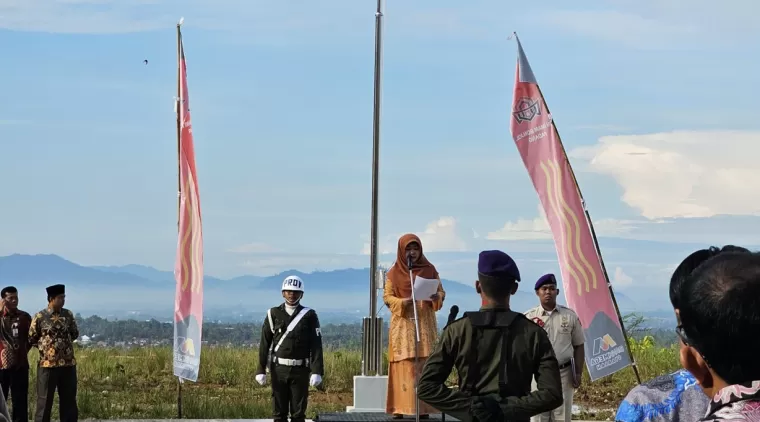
point(685, 339)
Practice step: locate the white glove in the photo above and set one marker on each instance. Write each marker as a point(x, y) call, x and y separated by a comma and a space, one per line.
point(315, 380)
point(261, 379)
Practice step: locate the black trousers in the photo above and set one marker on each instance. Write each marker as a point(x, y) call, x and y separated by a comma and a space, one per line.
point(64, 379)
point(16, 382)
point(290, 391)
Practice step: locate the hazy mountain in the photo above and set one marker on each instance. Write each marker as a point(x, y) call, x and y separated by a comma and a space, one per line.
point(148, 273)
point(137, 290)
point(49, 269)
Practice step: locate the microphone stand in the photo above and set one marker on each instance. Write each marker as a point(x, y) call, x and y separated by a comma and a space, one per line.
point(416, 347)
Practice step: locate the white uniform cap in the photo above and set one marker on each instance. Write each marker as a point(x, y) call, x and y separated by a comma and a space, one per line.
point(293, 283)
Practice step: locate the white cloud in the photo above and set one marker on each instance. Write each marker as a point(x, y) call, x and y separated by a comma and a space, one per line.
point(441, 235)
point(682, 173)
point(538, 228)
point(621, 279)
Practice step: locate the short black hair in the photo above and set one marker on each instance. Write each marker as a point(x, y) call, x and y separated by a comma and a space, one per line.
point(499, 289)
point(690, 263)
point(9, 289)
point(719, 314)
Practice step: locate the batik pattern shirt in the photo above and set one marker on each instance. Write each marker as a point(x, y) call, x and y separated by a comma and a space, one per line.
point(673, 397)
point(54, 333)
point(14, 328)
point(739, 402)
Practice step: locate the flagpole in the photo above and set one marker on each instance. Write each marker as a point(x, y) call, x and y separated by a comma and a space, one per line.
point(179, 175)
point(593, 236)
point(372, 343)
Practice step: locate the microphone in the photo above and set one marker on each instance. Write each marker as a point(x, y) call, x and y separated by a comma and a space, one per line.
point(452, 315)
point(409, 262)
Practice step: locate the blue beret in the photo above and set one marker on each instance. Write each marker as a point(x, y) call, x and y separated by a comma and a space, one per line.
point(497, 264)
point(546, 279)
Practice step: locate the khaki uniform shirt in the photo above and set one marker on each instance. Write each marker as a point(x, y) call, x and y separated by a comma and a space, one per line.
point(563, 328)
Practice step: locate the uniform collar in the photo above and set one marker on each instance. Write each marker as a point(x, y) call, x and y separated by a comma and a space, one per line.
point(543, 311)
point(492, 307)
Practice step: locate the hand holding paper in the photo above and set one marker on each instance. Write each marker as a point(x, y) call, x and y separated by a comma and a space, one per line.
point(425, 288)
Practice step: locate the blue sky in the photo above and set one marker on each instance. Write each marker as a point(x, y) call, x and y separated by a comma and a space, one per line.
point(655, 101)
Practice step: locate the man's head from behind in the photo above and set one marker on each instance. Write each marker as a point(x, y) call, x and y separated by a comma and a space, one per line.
point(10, 296)
point(497, 277)
point(719, 319)
point(690, 263)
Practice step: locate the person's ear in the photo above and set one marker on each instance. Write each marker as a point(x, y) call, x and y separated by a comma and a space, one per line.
point(514, 289)
point(477, 286)
point(693, 362)
point(537, 293)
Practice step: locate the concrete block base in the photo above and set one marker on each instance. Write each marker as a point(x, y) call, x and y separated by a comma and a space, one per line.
point(370, 393)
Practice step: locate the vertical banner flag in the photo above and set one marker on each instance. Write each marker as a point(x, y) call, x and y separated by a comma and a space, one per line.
point(188, 269)
point(583, 280)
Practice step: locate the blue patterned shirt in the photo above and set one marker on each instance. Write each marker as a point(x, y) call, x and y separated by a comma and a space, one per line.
point(670, 398)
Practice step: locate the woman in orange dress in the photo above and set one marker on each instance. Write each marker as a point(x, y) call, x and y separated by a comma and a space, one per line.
point(397, 295)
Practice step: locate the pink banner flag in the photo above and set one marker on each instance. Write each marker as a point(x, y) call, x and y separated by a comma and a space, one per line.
point(583, 279)
point(188, 270)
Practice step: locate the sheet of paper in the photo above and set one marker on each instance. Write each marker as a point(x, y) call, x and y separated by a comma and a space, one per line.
point(424, 288)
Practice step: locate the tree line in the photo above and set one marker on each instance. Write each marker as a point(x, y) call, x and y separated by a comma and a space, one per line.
point(98, 329)
point(335, 336)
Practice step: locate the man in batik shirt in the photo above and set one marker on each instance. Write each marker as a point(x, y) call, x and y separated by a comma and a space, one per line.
point(14, 365)
point(53, 331)
point(718, 322)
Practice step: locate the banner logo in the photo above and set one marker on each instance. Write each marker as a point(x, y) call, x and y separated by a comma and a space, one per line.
point(603, 344)
point(526, 109)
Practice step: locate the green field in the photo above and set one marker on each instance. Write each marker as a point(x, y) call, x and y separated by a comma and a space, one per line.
point(138, 383)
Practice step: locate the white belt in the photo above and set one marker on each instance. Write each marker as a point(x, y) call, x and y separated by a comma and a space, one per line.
point(293, 362)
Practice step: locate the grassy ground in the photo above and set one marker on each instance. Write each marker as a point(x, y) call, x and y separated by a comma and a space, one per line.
point(138, 383)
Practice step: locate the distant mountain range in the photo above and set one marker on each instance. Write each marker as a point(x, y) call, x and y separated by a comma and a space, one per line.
point(137, 289)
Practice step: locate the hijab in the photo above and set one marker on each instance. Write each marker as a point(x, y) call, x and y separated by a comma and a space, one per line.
point(399, 272)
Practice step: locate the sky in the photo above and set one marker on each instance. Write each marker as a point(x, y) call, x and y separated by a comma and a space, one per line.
point(655, 100)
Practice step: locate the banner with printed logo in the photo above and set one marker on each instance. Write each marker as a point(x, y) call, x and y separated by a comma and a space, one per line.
point(583, 279)
point(188, 269)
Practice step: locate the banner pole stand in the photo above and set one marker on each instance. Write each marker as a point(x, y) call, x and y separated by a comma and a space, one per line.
point(179, 398)
point(416, 350)
point(596, 245)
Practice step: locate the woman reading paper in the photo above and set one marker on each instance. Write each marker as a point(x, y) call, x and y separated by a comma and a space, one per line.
point(397, 295)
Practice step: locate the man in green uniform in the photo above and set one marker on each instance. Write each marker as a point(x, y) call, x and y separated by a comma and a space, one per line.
point(497, 352)
point(53, 331)
point(291, 347)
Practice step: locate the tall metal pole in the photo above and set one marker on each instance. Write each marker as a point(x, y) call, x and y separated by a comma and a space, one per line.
point(372, 343)
point(373, 284)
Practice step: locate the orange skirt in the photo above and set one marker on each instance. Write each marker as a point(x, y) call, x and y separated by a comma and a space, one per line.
point(401, 388)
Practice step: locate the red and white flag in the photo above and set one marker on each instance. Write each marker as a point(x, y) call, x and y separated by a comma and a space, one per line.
point(188, 269)
point(583, 278)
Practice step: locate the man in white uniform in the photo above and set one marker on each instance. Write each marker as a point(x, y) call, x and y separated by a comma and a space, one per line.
point(566, 335)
